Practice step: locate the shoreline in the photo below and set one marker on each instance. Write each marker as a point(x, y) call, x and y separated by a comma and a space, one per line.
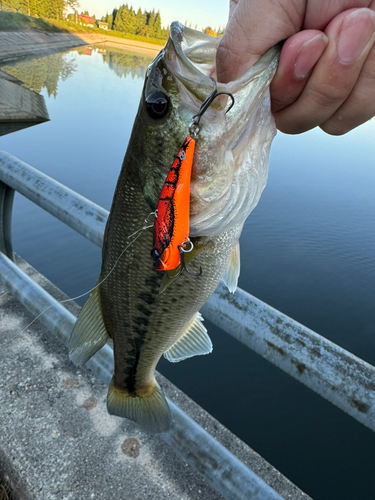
point(19, 44)
point(114, 41)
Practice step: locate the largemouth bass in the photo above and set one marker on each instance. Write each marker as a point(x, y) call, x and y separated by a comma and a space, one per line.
point(229, 173)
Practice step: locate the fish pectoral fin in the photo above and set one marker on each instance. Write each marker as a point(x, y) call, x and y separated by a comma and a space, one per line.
point(149, 410)
point(194, 342)
point(232, 272)
point(89, 333)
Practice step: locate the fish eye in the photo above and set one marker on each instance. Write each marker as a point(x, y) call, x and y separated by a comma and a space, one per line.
point(157, 104)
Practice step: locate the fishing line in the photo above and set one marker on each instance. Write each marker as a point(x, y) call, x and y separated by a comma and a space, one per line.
point(138, 233)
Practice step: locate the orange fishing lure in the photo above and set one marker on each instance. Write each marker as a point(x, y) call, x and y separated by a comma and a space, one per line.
point(171, 227)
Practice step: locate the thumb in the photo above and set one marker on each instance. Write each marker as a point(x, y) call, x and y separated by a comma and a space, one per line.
point(253, 28)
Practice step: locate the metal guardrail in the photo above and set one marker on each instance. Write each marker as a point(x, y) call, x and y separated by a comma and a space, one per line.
point(337, 375)
point(74, 210)
point(334, 373)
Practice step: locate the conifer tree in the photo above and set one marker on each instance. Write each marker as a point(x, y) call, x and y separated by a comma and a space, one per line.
point(151, 22)
point(114, 15)
point(141, 20)
point(156, 29)
point(110, 21)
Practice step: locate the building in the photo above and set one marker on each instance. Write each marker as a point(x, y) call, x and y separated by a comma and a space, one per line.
point(86, 20)
point(102, 25)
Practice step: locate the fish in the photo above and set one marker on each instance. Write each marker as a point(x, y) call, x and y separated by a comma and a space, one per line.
point(135, 305)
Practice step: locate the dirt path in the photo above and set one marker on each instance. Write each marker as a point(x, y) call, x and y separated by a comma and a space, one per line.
point(116, 42)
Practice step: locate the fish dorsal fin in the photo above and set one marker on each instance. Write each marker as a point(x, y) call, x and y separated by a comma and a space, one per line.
point(193, 342)
point(89, 333)
point(232, 272)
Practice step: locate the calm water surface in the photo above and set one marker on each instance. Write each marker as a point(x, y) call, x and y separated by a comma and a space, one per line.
point(307, 249)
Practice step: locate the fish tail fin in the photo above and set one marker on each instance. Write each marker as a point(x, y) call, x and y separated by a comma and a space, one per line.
point(150, 411)
point(89, 333)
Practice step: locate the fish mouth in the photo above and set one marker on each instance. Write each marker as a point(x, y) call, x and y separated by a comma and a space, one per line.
point(190, 55)
point(231, 157)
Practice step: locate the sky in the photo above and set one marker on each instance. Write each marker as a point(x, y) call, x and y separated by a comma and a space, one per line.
point(203, 13)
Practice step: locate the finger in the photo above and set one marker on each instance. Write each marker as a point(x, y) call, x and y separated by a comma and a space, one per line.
point(254, 27)
point(320, 12)
point(351, 36)
point(360, 105)
point(298, 56)
point(232, 5)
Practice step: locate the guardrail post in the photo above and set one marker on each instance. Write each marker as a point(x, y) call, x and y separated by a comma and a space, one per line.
point(6, 207)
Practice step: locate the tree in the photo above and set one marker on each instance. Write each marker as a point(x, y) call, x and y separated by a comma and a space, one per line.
point(71, 4)
point(209, 31)
point(125, 20)
point(140, 20)
point(110, 21)
point(121, 15)
point(143, 30)
point(114, 15)
point(156, 29)
point(151, 22)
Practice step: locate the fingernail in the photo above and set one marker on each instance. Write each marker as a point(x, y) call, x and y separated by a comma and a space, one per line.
point(356, 31)
point(308, 55)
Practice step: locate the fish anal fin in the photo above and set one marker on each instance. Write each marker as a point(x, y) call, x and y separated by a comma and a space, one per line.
point(232, 272)
point(193, 342)
point(149, 410)
point(89, 333)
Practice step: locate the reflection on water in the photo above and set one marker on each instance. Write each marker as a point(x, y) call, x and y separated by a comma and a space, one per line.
point(307, 249)
point(125, 63)
point(44, 72)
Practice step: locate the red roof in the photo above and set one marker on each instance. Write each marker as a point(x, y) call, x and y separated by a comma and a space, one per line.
point(88, 19)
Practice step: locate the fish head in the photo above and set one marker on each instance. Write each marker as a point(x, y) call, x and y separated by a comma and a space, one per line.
point(231, 157)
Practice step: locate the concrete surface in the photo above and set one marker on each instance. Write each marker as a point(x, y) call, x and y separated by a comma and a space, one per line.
point(57, 441)
point(19, 107)
point(14, 45)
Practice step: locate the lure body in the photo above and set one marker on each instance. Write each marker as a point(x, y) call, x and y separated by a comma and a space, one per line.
point(171, 226)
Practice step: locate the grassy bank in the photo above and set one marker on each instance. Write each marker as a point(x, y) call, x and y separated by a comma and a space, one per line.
point(13, 21)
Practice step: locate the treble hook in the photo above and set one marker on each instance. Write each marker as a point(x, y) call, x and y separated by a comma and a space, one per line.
point(182, 249)
point(194, 124)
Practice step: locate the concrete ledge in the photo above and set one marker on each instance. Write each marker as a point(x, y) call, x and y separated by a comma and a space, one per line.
point(17, 44)
point(56, 433)
point(19, 107)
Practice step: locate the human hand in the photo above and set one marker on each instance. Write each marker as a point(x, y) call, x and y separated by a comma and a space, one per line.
point(326, 74)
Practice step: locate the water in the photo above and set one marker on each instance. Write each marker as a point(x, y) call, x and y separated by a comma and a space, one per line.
point(307, 249)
